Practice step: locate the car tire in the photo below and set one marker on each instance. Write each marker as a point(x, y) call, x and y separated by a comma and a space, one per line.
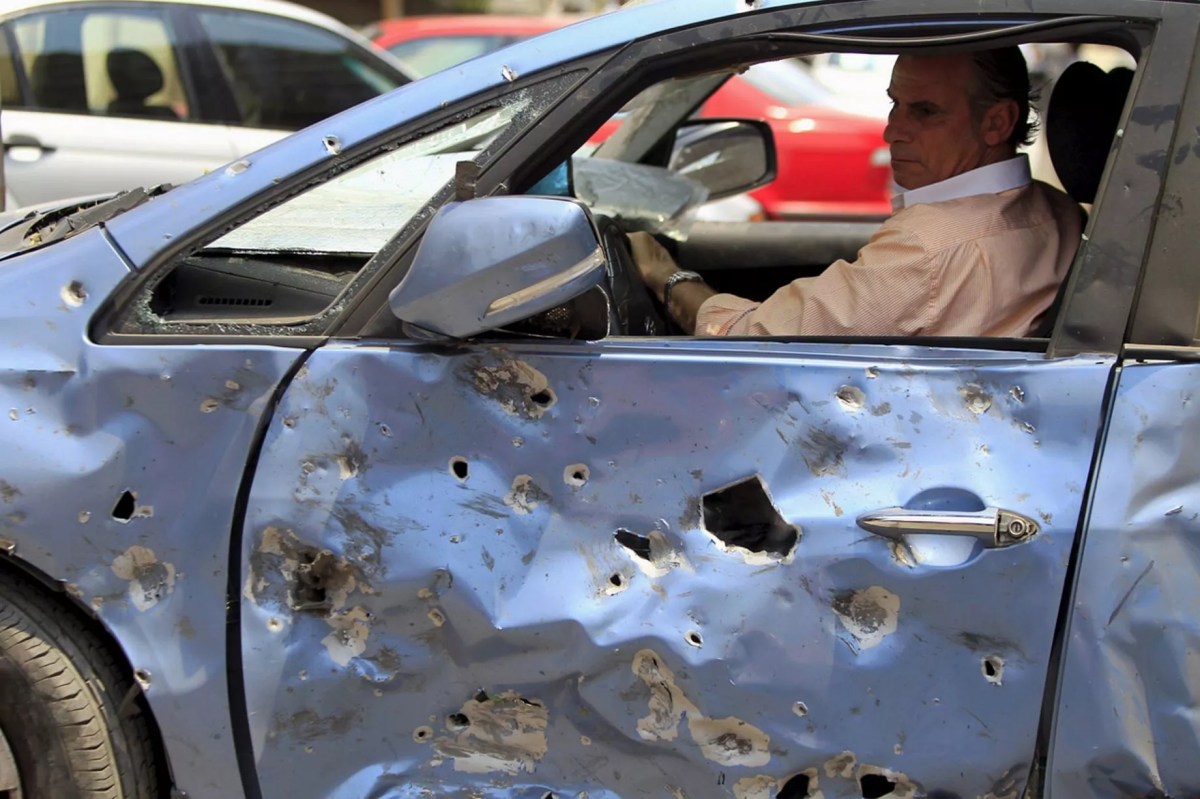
point(69, 732)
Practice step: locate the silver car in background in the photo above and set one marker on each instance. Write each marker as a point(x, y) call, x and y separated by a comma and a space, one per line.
point(100, 96)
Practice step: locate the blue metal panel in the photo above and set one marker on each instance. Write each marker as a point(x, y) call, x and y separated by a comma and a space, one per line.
point(83, 424)
point(435, 598)
point(1130, 686)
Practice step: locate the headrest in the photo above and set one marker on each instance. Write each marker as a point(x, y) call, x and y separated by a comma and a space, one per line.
point(134, 75)
point(1081, 121)
point(57, 79)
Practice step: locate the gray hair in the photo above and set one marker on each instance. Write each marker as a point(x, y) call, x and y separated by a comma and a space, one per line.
point(1001, 74)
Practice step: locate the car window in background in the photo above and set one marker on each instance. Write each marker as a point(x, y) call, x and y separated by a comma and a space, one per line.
point(788, 83)
point(288, 75)
point(102, 61)
point(426, 56)
point(10, 91)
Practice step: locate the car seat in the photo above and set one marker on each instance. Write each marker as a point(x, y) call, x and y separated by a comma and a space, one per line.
point(135, 76)
point(57, 82)
point(1082, 117)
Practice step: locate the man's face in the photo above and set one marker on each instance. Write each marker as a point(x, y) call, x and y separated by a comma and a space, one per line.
point(930, 128)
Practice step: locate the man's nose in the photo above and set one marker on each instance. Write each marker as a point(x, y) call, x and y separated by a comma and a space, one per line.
point(894, 131)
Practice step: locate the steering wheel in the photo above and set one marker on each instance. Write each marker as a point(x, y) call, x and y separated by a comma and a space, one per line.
point(635, 308)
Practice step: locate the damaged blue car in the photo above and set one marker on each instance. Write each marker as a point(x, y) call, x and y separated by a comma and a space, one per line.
point(366, 466)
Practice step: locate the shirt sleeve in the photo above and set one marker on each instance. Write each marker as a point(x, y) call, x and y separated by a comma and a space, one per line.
point(890, 289)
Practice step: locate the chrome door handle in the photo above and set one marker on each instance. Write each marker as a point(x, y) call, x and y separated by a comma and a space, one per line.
point(993, 527)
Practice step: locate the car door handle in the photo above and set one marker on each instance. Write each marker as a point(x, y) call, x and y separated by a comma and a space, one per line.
point(25, 140)
point(993, 527)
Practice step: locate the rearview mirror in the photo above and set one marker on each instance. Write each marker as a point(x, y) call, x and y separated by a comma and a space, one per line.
point(489, 262)
point(725, 156)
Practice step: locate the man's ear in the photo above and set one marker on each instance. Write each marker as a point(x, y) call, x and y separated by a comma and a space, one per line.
point(999, 122)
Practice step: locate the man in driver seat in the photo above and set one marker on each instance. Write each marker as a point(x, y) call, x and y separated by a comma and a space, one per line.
point(974, 247)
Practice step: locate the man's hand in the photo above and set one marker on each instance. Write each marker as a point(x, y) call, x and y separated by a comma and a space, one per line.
point(654, 263)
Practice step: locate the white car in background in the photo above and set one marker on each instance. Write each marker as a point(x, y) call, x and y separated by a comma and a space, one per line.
point(103, 95)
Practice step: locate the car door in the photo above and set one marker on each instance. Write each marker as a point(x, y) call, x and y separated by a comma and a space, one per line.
point(1125, 706)
point(106, 105)
point(642, 567)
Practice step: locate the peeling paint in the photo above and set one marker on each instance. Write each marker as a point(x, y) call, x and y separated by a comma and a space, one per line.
point(977, 400)
point(525, 495)
point(841, 765)
point(760, 787)
point(350, 632)
point(502, 734)
point(851, 398)
point(149, 580)
point(519, 388)
point(287, 573)
point(728, 741)
point(869, 615)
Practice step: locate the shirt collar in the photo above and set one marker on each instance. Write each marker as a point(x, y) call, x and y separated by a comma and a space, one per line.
point(991, 179)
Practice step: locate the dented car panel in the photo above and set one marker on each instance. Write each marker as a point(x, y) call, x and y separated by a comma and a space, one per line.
point(529, 568)
point(1126, 712)
point(88, 495)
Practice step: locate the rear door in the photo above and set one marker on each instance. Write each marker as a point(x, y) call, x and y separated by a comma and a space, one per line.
point(1125, 709)
point(639, 567)
point(106, 105)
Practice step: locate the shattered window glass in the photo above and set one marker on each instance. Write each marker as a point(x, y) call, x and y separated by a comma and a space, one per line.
point(294, 266)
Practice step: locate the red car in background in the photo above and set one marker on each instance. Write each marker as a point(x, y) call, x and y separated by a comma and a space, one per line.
point(832, 162)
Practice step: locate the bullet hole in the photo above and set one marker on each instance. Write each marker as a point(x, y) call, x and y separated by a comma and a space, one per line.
point(74, 294)
point(993, 669)
point(237, 168)
point(576, 475)
point(308, 591)
point(333, 145)
point(794, 788)
point(126, 505)
point(800, 709)
point(742, 515)
point(457, 722)
point(875, 786)
point(422, 734)
point(543, 399)
point(637, 544)
point(459, 468)
point(617, 580)
point(384, 430)
point(274, 625)
point(977, 400)
point(143, 678)
point(851, 398)
point(694, 638)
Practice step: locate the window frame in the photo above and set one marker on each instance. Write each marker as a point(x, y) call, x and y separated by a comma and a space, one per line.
point(643, 62)
point(1167, 310)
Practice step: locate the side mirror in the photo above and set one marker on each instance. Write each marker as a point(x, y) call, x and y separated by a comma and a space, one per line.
point(725, 156)
point(489, 262)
